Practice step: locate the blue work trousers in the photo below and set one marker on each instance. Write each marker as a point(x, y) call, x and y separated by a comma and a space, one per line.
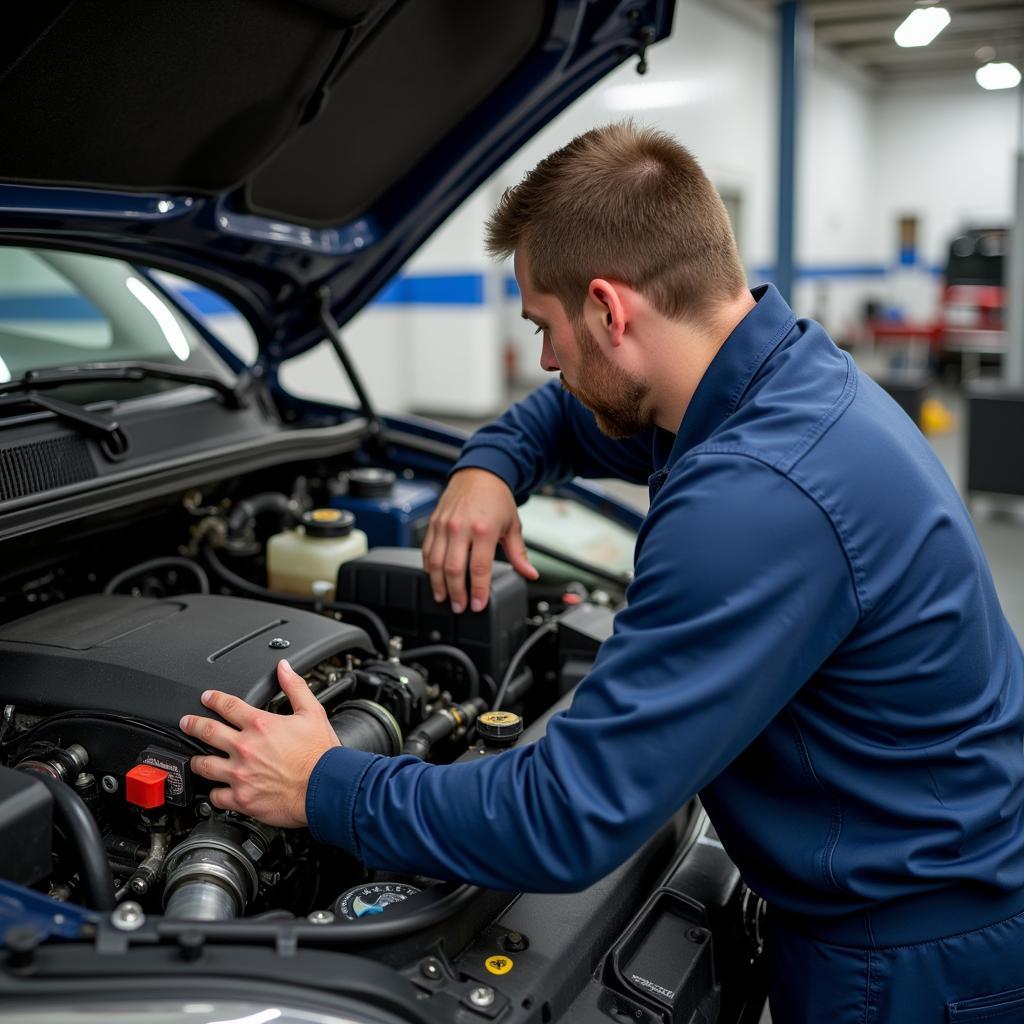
point(971, 977)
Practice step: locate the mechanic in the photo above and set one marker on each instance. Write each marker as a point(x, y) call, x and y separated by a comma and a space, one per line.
point(812, 640)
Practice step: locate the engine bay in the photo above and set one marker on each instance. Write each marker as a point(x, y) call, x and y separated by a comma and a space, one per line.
point(100, 667)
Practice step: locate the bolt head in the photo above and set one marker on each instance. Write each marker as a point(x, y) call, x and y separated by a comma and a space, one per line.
point(128, 917)
point(431, 969)
point(321, 917)
point(482, 996)
point(139, 886)
point(109, 784)
point(204, 810)
point(514, 942)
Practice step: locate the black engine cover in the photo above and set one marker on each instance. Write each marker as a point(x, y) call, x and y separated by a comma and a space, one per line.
point(152, 659)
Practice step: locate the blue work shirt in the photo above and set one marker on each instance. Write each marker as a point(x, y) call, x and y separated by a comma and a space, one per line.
point(812, 642)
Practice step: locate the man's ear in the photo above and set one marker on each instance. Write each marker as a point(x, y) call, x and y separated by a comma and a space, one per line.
point(605, 310)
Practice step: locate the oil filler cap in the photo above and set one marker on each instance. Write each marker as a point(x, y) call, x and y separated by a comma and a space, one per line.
point(144, 786)
point(499, 728)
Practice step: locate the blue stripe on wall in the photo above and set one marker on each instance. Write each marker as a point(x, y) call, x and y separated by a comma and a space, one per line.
point(433, 290)
point(408, 290)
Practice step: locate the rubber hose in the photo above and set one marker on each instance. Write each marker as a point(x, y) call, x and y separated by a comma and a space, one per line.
point(370, 617)
point(338, 933)
point(97, 881)
point(528, 644)
point(156, 563)
point(247, 510)
point(453, 654)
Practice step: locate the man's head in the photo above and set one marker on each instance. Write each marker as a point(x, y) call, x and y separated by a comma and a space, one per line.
point(627, 203)
point(621, 216)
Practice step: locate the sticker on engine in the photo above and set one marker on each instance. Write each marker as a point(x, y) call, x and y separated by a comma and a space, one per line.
point(499, 964)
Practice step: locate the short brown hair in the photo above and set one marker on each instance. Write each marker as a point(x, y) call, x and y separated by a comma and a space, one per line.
point(627, 203)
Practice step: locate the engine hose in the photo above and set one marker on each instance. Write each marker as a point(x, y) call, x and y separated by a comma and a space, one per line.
point(97, 881)
point(249, 509)
point(519, 686)
point(452, 654)
point(338, 933)
point(232, 579)
point(342, 688)
point(528, 644)
point(440, 725)
point(170, 561)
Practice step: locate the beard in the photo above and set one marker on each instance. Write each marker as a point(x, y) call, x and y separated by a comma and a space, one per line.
point(618, 400)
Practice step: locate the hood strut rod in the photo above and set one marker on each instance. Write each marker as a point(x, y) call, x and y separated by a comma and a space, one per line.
point(334, 336)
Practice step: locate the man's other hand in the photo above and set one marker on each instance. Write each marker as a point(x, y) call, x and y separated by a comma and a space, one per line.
point(476, 512)
point(269, 757)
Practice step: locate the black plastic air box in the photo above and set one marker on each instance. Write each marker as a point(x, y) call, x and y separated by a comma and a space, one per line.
point(26, 825)
point(392, 582)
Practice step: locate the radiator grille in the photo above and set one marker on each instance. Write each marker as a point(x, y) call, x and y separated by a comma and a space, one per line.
point(43, 465)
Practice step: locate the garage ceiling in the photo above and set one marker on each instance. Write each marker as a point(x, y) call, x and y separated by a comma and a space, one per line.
point(861, 31)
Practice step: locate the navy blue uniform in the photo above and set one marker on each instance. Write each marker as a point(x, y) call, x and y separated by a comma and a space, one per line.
point(812, 642)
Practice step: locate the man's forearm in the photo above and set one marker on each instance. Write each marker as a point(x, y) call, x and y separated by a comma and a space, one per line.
point(549, 437)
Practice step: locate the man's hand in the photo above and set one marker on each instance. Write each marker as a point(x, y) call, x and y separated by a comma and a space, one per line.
point(476, 512)
point(270, 757)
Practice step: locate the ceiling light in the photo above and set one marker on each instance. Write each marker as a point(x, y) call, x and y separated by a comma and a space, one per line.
point(645, 96)
point(996, 75)
point(921, 26)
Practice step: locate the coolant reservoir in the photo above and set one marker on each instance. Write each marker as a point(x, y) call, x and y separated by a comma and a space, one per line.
point(305, 561)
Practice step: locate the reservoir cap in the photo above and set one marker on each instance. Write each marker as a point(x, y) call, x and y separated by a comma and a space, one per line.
point(370, 482)
point(328, 522)
point(499, 728)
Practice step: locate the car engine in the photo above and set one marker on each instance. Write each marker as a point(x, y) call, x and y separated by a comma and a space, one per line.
point(94, 686)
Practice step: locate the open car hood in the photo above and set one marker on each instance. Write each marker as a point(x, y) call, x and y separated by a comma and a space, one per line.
point(275, 148)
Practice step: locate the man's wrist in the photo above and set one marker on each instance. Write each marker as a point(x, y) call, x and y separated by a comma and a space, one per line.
point(492, 460)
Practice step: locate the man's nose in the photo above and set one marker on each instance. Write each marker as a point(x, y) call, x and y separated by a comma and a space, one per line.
point(547, 358)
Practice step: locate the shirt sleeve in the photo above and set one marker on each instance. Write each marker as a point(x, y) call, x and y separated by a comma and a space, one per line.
point(550, 437)
point(742, 591)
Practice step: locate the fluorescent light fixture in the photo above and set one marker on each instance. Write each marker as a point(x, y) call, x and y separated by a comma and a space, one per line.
point(921, 26)
point(997, 75)
point(5, 374)
point(645, 96)
point(164, 317)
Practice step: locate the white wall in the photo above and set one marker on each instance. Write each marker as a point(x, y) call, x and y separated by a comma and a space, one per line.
point(724, 54)
point(945, 153)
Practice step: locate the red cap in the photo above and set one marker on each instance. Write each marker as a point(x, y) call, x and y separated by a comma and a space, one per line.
point(144, 786)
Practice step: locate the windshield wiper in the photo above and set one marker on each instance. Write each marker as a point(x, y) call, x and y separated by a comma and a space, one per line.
point(234, 395)
point(112, 439)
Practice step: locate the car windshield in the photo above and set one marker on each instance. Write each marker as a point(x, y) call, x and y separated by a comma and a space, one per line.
point(60, 309)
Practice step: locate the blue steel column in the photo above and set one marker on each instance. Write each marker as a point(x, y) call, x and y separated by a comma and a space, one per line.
point(789, 29)
point(1013, 368)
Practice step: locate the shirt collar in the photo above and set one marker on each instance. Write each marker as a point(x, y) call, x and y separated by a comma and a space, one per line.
point(726, 380)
